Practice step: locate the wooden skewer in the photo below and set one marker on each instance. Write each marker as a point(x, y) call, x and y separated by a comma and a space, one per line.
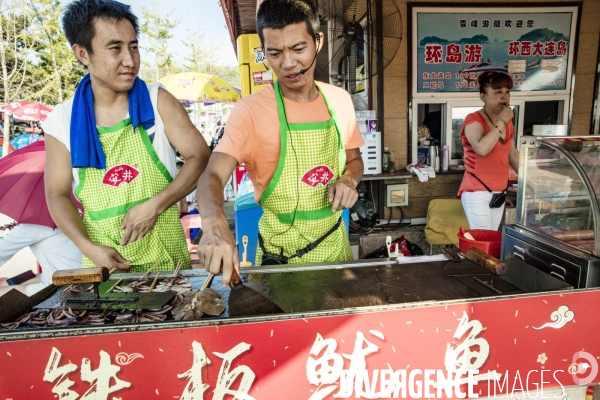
point(67, 288)
point(177, 269)
point(148, 272)
point(154, 282)
point(207, 281)
point(113, 269)
point(115, 285)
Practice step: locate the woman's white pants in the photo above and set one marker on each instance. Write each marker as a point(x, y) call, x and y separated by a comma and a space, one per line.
point(478, 211)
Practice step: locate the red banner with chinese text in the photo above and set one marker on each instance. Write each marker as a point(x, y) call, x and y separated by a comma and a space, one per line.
point(508, 341)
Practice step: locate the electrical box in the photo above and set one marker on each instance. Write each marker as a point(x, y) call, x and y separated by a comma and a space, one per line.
point(397, 195)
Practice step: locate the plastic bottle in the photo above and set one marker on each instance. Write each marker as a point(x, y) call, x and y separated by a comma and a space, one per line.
point(445, 157)
point(392, 166)
point(385, 161)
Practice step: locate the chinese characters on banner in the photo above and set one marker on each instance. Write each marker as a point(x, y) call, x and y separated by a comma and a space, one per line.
point(485, 347)
point(533, 48)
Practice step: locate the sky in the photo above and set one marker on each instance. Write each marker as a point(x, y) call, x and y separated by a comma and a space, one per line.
point(206, 14)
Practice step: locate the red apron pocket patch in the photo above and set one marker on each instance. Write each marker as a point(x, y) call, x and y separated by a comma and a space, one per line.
point(319, 175)
point(120, 174)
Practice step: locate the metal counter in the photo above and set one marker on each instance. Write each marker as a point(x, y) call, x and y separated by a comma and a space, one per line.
point(306, 290)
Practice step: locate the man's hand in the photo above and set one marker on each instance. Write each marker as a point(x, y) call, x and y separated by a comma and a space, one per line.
point(217, 251)
point(103, 256)
point(138, 222)
point(342, 193)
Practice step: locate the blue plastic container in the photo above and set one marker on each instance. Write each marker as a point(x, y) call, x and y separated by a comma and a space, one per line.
point(247, 212)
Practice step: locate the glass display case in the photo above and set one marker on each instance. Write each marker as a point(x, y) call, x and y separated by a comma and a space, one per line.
point(558, 205)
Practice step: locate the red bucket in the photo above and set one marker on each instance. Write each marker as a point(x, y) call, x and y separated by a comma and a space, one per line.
point(487, 241)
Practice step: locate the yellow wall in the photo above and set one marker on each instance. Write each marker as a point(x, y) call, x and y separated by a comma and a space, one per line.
point(396, 77)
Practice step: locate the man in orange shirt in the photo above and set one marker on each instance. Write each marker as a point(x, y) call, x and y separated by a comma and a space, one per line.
point(300, 142)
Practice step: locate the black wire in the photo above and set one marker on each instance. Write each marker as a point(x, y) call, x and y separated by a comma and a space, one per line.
point(357, 228)
point(297, 177)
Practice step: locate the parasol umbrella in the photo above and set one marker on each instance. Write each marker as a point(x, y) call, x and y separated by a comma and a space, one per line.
point(27, 110)
point(196, 86)
point(22, 194)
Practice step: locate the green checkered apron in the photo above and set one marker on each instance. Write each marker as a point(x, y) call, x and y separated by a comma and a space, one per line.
point(133, 175)
point(296, 209)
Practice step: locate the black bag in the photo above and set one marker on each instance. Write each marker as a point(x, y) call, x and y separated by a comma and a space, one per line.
point(415, 250)
point(498, 199)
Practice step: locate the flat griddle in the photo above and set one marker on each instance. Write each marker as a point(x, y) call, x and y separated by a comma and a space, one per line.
point(117, 301)
point(301, 288)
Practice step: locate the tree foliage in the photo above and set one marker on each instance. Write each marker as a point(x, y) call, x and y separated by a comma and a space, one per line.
point(203, 57)
point(37, 64)
point(40, 66)
point(57, 70)
point(156, 26)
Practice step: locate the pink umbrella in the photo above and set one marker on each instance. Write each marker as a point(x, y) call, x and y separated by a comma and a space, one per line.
point(22, 193)
point(27, 110)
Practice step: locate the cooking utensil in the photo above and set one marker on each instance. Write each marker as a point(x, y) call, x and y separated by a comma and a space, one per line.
point(492, 264)
point(93, 301)
point(244, 262)
point(245, 301)
point(388, 244)
point(451, 254)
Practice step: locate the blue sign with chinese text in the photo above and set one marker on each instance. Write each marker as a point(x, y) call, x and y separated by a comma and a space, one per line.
point(454, 48)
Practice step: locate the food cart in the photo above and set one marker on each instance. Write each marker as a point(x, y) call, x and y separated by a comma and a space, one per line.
point(412, 321)
point(371, 328)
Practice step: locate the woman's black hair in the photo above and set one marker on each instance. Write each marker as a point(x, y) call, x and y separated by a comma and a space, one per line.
point(495, 79)
point(78, 19)
point(277, 14)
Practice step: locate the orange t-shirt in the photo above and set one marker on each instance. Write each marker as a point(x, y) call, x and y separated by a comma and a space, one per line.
point(252, 129)
point(492, 168)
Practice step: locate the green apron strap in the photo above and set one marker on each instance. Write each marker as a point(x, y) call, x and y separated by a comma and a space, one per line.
point(283, 139)
point(283, 132)
point(336, 122)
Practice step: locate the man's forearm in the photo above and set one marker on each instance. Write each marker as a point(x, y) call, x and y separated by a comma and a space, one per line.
point(355, 170)
point(210, 198)
point(183, 184)
point(67, 219)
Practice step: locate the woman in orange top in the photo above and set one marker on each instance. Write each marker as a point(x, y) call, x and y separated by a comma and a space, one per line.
point(488, 140)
